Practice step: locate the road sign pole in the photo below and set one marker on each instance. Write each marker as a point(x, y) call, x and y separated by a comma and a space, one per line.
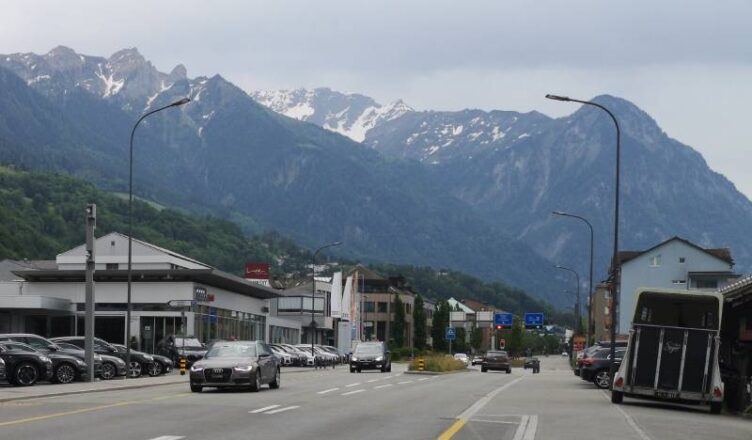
point(91, 224)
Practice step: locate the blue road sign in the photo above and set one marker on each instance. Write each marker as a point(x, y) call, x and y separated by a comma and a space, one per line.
point(533, 319)
point(505, 319)
point(451, 334)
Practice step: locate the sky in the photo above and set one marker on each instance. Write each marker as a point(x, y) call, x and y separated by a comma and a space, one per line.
point(687, 63)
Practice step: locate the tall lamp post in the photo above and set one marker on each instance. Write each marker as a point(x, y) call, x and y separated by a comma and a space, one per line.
point(313, 290)
point(615, 257)
point(130, 229)
point(590, 282)
point(577, 305)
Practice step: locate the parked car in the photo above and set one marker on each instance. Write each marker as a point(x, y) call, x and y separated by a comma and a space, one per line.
point(370, 355)
point(596, 367)
point(51, 349)
point(236, 364)
point(65, 368)
point(477, 360)
point(2, 369)
point(174, 347)
point(140, 362)
point(23, 367)
point(564, 354)
point(533, 363)
point(462, 357)
point(283, 357)
point(305, 357)
point(112, 366)
point(496, 360)
point(298, 358)
point(161, 364)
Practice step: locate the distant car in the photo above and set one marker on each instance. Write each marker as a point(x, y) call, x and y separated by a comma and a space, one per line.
point(174, 347)
point(305, 358)
point(284, 357)
point(496, 360)
point(596, 368)
point(462, 357)
point(140, 362)
point(477, 360)
point(370, 356)
point(161, 364)
point(236, 364)
point(533, 363)
point(112, 366)
point(564, 354)
point(2, 369)
point(23, 367)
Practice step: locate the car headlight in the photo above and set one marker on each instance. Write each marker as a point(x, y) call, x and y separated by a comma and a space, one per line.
point(149, 358)
point(380, 358)
point(45, 359)
point(196, 368)
point(120, 362)
point(245, 368)
point(354, 359)
point(98, 358)
point(79, 362)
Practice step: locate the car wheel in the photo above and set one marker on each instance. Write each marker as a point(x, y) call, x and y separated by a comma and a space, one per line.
point(352, 370)
point(617, 396)
point(135, 369)
point(715, 407)
point(109, 371)
point(275, 383)
point(26, 374)
point(602, 379)
point(65, 373)
point(358, 370)
point(196, 388)
point(156, 369)
point(483, 369)
point(256, 385)
point(509, 371)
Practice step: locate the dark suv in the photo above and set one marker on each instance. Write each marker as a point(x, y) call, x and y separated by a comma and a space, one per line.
point(66, 369)
point(370, 356)
point(496, 360)
point(175, 347)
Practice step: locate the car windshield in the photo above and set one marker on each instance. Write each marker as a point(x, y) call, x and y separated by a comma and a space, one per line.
point(220, 350)
point(188, 343)
point(368, 349)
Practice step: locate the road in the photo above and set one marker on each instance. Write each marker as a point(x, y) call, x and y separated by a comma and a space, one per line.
point(335, 404)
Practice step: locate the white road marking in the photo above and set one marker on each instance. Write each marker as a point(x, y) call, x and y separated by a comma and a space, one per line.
point(169, 437)
point(263, 409)
point(642, 434)
point(404, 382)
point(532, 426)
point(281, 410)
point(425, 378)
point(372, 380)
point(494, 421)
point(353, 392)
point(477, 406)
point(382, 386)
point(521, 428)
point(327, 391)
point(352, 385)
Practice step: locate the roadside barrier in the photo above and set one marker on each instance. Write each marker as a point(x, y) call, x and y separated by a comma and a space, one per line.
point(183, 366)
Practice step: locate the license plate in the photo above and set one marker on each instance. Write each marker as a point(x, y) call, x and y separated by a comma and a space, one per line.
point(666, 394)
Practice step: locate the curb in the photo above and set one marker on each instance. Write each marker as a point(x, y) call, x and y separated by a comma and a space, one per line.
point(90, 390)
point(436, 373)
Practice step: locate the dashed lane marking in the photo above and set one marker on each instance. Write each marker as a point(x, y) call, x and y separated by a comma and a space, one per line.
point(372, 380)
point(263, 409)
point(352, 385)
point(169, 437)
point(353, 392)
point(282, 409)
point(404, 382)
point(425, 378)
point(327, 391)
point(382, 386)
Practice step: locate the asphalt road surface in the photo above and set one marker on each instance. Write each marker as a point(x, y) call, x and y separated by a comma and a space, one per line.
point(335, 404)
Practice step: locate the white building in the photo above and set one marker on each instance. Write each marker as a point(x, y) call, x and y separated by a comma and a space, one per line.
point(48, 297)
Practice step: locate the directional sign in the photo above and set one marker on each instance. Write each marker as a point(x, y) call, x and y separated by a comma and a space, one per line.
point(504, 319)
point(533, 319)
point(451, 334)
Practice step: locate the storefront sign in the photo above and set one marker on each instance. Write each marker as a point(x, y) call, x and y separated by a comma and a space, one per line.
point(201, 295)
point(256, 271)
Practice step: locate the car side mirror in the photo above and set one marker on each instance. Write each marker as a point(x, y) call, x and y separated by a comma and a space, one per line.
point(264, 355)
point(53, 347)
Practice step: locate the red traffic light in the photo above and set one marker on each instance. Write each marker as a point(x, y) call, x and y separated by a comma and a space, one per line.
point(499, 327)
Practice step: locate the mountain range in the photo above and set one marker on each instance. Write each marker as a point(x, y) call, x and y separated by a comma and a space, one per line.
point(470, 189)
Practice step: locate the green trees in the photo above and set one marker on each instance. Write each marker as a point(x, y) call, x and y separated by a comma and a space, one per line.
point(440, 323)
point(515, 341)
point(398, 325)
point(476, 338)
point(419, 323)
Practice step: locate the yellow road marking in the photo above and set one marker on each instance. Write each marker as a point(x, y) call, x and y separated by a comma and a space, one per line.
point(85, 410)
point(454, 429)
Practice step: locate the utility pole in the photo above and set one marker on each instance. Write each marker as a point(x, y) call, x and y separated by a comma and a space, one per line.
point(91, 224)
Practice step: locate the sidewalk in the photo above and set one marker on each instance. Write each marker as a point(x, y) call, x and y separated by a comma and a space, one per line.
point(45, 389)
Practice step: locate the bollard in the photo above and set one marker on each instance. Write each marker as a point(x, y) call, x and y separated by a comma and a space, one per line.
point(183, 366)
point(421, 364)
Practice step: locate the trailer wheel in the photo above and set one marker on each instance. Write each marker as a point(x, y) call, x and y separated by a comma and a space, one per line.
point(715, 407)
point(617, 396)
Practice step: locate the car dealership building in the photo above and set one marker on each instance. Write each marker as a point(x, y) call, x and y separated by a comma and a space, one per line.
point(48, 297)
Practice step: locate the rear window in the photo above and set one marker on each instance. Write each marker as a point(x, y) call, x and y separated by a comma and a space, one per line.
point(496, 354)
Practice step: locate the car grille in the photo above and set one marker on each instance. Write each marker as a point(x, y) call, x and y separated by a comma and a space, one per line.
point(212, 374)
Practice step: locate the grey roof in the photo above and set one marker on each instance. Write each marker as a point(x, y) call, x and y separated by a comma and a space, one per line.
point(7, 267)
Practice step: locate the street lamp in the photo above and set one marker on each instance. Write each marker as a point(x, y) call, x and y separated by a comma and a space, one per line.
point(130, 229)
point(313, 289)
point(577, 306)
point(590, 283)
point(615, 256)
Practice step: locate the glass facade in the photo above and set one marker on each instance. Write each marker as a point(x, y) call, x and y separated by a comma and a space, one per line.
point(283, 335)
point(212, 323)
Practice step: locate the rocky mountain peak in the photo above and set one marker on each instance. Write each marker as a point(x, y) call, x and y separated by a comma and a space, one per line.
point(178, 72)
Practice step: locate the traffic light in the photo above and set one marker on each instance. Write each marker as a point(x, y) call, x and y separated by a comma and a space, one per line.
point(499, 327)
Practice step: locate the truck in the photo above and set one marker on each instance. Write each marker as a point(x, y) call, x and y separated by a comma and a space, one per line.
point(672, 350)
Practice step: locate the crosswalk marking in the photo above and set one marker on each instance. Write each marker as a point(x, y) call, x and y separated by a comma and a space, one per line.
point(281, 410)
point(263, 409)
point(382, 386)
point(353, 392)
point(327, 391)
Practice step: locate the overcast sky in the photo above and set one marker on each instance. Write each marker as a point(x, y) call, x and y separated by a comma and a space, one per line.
point(687, 63)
